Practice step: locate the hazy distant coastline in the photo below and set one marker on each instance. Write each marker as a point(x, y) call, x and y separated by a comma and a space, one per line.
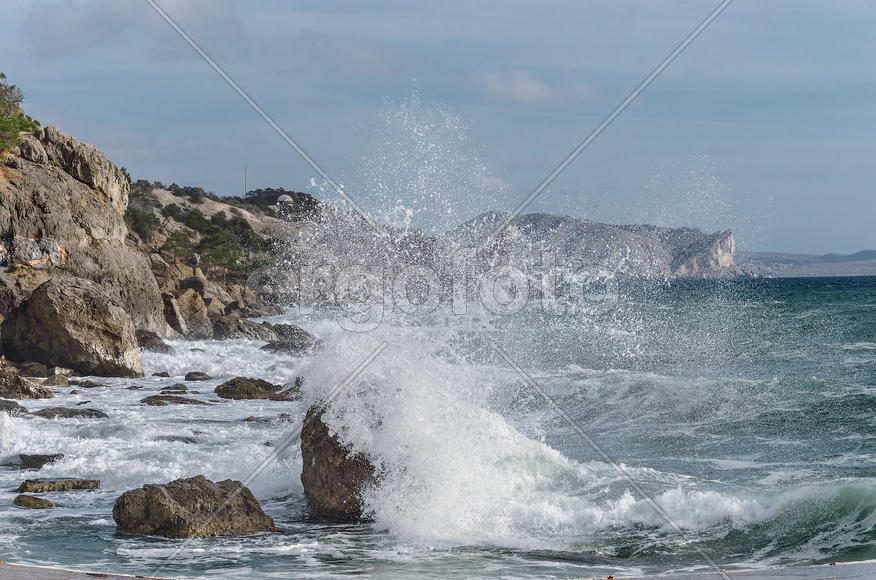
point(776, 264)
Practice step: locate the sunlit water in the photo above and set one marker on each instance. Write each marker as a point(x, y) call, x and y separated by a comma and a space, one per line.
point(745, 410)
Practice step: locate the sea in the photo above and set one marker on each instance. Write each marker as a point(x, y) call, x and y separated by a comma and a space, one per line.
point(675, 426)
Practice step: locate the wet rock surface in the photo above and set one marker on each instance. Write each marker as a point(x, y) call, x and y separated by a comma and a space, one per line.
point(49, 485)
point(66, 413)
point(232, 327)
point(292, 340)
point(245, 388)
point(332, 477)
point(194, 507)
point(12, 408)
point(31, 502)
point(162, 400)
point(148, 340)
point(197, 376)
point(38, 461)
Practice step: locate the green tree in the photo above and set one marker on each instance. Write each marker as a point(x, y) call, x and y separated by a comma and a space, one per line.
point(10, 98)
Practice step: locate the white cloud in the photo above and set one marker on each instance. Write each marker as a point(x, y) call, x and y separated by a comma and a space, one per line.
point(520, 86)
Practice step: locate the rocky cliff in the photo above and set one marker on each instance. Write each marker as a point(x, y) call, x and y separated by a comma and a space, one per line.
point(631, 251)
point(61, 212)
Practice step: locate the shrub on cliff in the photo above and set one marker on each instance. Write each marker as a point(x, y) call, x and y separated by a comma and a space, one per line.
point(143, 223)
point(12, 119)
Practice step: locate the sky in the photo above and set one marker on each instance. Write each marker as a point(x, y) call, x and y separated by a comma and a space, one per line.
point(431, 113)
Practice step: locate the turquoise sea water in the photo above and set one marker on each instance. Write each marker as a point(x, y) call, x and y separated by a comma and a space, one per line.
point(744, 410)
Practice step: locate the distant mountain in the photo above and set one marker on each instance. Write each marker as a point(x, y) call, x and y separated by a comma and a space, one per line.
point(777, 264)
point(639, 251)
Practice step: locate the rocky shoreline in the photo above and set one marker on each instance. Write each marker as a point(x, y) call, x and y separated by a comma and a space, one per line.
point(94, 270)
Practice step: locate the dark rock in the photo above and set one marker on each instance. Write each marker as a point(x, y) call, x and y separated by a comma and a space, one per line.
point(162, 400)
point(230, 327)
point(14, 386)
point(74, 392)
point(177, 439)
point(292, 340)
point(38, 461)
point(48, 485)
point(134, 388)
point(333, 479)
point(244, 388)
point(281, 418)
point(12, 408)
point(194, 282)
point(31, 502)
point(65, 413)
point(56, 381)
point(83, 403)
point(164, 374)
point(150, 341)
point(75, 323)
point(86, 384)
point(174, 391)
point(194, 507)
point(33, 369)
point(197, 376)
point(296, 334)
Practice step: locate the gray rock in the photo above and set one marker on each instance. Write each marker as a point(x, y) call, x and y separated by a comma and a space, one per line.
point(65, 201)
point(148, 340)
point(332, 477)
point(231, 327)
point(197, 376)
point(162, 400)
point(73, 322)
point(12, 408)
point(177, 439)
point(56, 381)
point(38, 461)
point(66, 413)
point(194, 507)
point(164, 374)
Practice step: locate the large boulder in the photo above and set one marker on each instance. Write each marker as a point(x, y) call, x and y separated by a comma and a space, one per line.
point(195, 313)
point(62, 211)
point(14, 386)
point(72, 322)
point(292, 339)
point(228, 327)
point(194, 507)
point(333, 478)
point(242, 388)
point(12, 408)
point(150, 341)
point(33, 503)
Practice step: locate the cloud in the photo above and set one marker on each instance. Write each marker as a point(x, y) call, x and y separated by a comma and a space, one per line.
point(520, 86)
